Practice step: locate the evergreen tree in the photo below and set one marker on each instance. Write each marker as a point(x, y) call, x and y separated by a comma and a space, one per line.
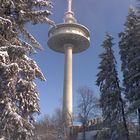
point(18, 92)
point(110, 99)
point(130, 56)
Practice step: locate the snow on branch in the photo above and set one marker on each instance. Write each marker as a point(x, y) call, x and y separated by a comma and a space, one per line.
point(30, 38)
point(39, 13)
point(41, 3)
point(28, 46)
point(4, 20)
point(133, 106)
point(43, 19)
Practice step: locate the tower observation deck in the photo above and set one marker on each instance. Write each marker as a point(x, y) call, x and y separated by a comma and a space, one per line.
point(68, 38)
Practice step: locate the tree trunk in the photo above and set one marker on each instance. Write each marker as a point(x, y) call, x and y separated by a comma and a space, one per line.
point(84, 132)
point(139, 116)
point(139, 120)
point(124, 120)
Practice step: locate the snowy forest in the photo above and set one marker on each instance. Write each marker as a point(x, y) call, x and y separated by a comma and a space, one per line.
point(116, 113)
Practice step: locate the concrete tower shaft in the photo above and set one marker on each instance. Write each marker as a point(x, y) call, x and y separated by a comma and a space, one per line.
point(67, 92)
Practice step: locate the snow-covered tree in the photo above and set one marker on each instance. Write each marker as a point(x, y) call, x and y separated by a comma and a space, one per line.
point(18, 93)
point(130, 56)
point(110, 98)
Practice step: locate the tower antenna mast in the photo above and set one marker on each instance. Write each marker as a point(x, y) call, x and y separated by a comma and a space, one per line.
point(69, 5)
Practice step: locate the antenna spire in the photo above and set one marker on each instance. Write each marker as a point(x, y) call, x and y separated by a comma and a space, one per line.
point(69, 15)
point(69, 5)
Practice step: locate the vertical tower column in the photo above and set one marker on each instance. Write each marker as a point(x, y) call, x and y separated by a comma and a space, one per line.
point(67, 95)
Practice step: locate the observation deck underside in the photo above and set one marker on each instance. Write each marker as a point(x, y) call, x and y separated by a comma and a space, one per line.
point(75, 34)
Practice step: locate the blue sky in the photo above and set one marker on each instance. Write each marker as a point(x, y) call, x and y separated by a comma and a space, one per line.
point(100, 16)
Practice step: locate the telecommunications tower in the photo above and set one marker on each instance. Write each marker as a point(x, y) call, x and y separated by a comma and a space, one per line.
point(68, 38)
